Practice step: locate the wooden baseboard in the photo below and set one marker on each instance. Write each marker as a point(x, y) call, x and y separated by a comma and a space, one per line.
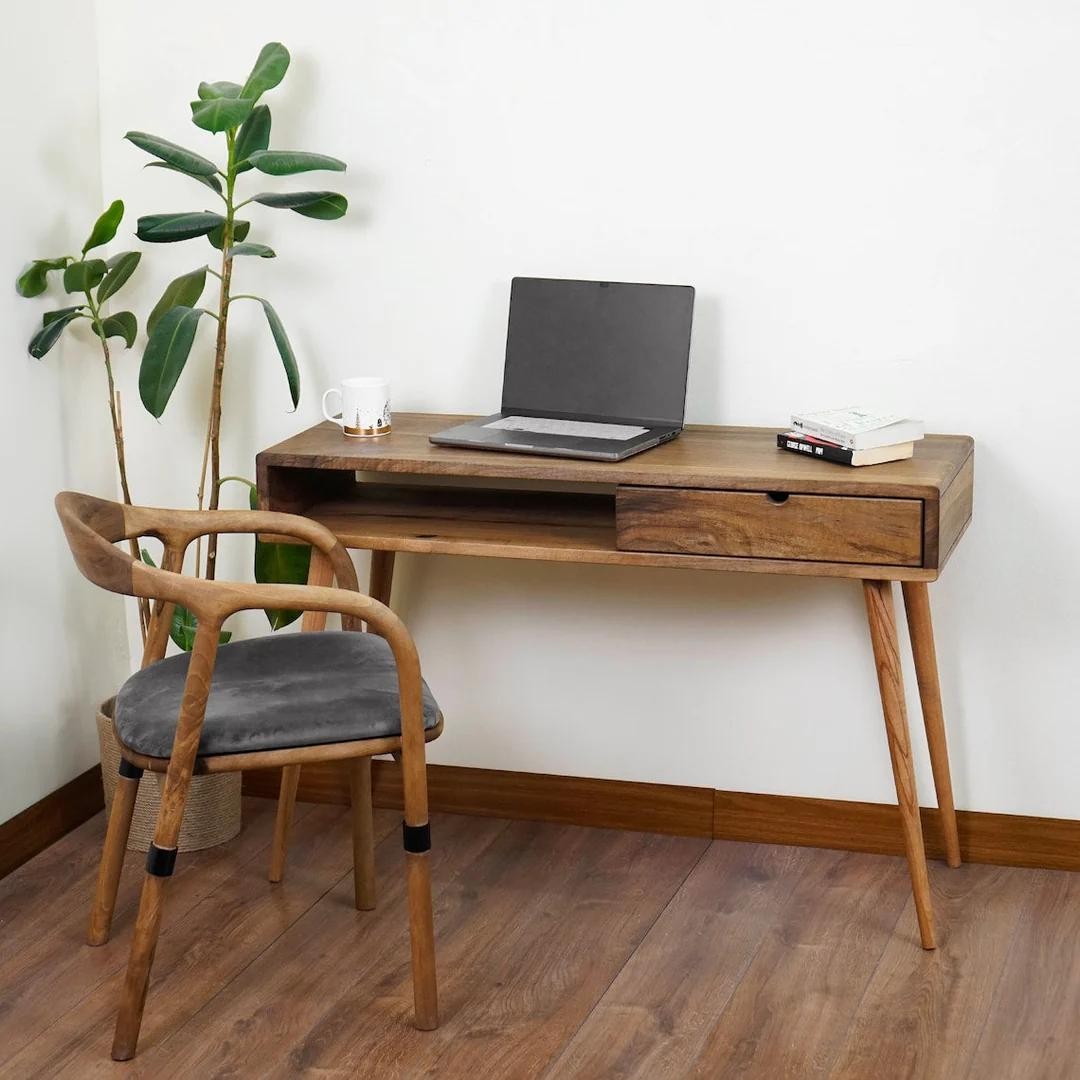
point(50, 818)
point(1003, 839)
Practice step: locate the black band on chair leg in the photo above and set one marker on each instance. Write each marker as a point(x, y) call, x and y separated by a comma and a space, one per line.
point(129, 771)
point(160, 861)
point(417, 838)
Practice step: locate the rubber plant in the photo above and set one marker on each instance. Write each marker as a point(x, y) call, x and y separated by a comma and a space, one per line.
point(93, 281)
point(236, 112)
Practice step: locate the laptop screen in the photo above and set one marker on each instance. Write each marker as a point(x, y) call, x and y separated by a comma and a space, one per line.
point(597, 349)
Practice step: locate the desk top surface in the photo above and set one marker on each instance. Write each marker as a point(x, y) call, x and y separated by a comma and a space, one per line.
point(704, 457)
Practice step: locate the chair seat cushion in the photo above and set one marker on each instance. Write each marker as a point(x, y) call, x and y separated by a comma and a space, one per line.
point(272, 693)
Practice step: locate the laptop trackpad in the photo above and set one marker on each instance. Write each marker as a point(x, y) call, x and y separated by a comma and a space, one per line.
point(573, 429)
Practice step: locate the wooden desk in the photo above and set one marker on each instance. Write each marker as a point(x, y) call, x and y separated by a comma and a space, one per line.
point(713, 499)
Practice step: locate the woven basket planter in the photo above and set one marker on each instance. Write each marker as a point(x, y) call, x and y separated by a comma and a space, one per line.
point(212, 810)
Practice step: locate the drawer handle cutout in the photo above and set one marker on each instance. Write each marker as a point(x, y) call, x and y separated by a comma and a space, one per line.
point(778, 497)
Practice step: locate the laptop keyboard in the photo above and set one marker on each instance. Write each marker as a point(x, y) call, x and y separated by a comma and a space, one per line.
point(574, 429)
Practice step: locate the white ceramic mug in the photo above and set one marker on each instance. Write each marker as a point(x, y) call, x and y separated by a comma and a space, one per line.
point(365, 406)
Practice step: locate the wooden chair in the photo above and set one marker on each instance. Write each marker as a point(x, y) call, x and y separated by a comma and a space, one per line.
point(370, 699)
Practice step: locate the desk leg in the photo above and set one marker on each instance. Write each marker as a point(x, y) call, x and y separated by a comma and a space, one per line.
point(320, 572)
point(882, 618)
point(921, 630)
point(382, 576)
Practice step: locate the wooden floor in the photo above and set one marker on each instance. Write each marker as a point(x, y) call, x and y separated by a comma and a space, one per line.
point(563, 952)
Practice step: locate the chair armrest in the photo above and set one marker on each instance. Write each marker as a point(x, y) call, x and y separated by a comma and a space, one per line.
point(177, 528)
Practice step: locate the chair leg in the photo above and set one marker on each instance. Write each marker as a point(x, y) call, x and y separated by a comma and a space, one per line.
point(290, 779)
point(161, 858)
point(921, 631)
point(363, 830)
point(112, 854)
point(882, 619)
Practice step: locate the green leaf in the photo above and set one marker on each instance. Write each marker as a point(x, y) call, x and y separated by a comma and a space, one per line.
point(254, 134)
point(105, 227)
point(52, 316)
point(285, 351)
point(121, 267)
point(34, 279)
point(212, 182)
point(326, 205)
point(220, 114)
point(184, 291)
point(240, 229)
point(210, 90)
point(187, 161)
point(279, 564)
point(268, 71)
point(287, 162)
point(261, 250)
point(165, 356)
point(123, 324)
point(81, 276)
point(50, 333)
point(168, 228)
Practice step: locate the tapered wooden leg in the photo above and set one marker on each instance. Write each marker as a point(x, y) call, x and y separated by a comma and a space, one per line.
point(290, 779)
point(422, 940)
point(320, 572)
point(382, 576)
point(921, 630)
point(112, 855)
point(161, 857)
point(882, 619)
point(363, 830)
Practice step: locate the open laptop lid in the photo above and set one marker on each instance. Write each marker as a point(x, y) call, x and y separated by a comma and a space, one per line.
point(598, 350)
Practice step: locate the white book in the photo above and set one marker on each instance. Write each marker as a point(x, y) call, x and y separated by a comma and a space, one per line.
point(858, 429)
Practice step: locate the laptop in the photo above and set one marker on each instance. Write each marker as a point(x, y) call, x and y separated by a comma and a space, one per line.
point(594, 369)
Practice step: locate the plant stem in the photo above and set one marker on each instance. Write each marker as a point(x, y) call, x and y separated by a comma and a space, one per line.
point(118, 440)
point(214, 422)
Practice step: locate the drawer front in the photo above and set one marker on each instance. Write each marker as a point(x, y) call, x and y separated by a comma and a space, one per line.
point(770, 525)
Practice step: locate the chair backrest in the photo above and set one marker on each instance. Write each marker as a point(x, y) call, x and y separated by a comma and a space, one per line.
point(92, 527)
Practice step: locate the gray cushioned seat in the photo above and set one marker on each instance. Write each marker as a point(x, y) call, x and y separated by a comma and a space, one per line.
point(273, 692)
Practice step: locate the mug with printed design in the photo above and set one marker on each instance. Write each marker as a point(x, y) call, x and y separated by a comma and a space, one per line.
point(365, 406)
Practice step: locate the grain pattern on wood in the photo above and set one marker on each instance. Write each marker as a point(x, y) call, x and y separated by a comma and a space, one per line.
point(922, 1014)
point(793, 1005)
point(35, 828)
point(882, 620)
point(112, 859)
point(1001, 839)
point(654, 1019)
point(529, 940)
point(46, 968)
point(921, 631)
point(330, 966)
point(770, 525)
point(701, 457)
point(1031, 1028)
point(948, 516)
point(206, 945)
point(363, 833)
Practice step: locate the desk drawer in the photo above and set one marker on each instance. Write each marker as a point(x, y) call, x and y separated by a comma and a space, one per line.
point(770, 525)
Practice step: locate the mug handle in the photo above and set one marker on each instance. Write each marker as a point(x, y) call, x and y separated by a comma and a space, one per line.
point(339, 420)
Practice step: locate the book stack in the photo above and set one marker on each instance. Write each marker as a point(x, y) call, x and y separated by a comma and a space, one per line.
point(852, 436)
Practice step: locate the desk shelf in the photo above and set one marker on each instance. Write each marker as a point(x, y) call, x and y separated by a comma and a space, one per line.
point(554, 526)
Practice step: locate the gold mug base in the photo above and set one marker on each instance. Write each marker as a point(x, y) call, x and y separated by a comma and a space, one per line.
point(366, 432)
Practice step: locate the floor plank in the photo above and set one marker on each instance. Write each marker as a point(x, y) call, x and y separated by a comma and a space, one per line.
point(794, 1004)
point(653, 1021)
point(562, 952)
point(55, 968)
point(1031, 1029)
point(203, 948)
point(268, 1012)
point(923, 1012)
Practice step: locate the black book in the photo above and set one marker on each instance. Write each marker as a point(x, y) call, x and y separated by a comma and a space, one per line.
point(809, 446)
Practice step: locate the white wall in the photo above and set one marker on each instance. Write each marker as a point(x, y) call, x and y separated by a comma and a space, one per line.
point(875, 203)
point(62, 645)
